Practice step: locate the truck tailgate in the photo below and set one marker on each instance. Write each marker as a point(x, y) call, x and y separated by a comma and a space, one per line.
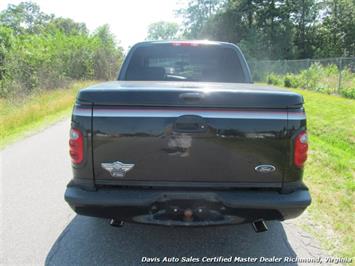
point(190, 145)
point(194, 141)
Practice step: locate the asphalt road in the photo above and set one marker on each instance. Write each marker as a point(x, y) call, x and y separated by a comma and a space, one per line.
point(37, 227)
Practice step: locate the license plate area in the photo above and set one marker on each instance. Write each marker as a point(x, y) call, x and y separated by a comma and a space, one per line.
point(188, 207)
point(188, 210)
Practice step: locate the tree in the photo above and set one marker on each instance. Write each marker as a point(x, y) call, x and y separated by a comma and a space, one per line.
point(263, 27)
point(272, 21)
point(25, 17)
point(275, 29)
point(67, 26)
point(40, 51)
point(108, 56)
point(304, 14)
point(197, 13)
point(336, 35)
point(6, 39)
point(104, 34)
point(163, 30)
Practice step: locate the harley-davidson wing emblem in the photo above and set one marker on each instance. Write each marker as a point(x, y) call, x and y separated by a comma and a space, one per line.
point(117, 169)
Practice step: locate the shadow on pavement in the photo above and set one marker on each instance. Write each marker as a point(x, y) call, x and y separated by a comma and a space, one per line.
point(92, 241)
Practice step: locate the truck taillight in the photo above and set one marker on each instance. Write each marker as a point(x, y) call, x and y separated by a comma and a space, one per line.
point(76, 144)
point(300, 149)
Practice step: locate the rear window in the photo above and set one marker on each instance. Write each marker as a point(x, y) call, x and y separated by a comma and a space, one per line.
point(166, 62)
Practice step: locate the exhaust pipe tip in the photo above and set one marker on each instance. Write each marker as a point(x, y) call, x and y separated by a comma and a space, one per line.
point(116, 223)
point(260, 226)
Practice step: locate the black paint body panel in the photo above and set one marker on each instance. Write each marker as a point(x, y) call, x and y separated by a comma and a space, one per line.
point(227, 151)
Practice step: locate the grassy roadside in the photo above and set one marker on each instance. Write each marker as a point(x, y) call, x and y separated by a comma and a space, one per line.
point(20, 117)
point(330, 171)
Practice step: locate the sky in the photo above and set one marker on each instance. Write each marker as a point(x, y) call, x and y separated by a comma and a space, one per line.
point(128, 19)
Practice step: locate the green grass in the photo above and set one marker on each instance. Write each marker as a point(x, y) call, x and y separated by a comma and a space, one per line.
point(18, 117)
point(330, 170)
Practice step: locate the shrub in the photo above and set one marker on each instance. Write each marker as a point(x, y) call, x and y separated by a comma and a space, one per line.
point(291, 81)
point(324, 79)
point(311, 76)
point(348, 93)
point(274, 79)
point(326, 90)
point(52, 59)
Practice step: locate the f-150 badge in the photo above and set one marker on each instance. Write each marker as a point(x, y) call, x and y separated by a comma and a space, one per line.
point(117, 169)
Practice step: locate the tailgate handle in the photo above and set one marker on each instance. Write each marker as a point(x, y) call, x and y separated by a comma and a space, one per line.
point(192, 96)
point(190, 124)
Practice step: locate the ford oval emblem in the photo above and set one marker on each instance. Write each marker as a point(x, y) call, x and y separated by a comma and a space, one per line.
point(265, 168)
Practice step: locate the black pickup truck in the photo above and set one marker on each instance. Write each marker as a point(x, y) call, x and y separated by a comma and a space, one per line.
point(183, 137)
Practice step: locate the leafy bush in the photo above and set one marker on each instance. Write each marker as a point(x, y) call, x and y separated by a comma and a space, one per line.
point(291, 81)
point(348, 93)
point(326, 90)
point(318, 78)
point(51, 53)
point(274, 79)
